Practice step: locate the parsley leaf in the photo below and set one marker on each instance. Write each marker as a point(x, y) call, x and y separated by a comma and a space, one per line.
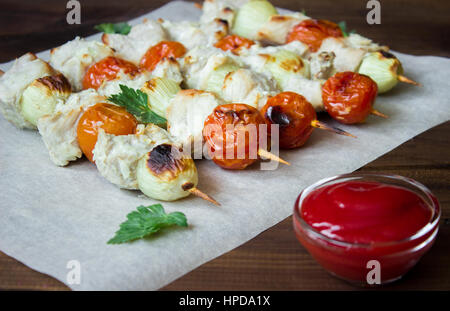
point(120, 28)
point(136, 103)
point(145, 221)
point(343, 26)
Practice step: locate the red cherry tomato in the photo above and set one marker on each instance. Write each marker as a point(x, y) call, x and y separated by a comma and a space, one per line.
point(232, 135)
point(294, 115)
point(348, 96)
point(111, 118)
point(107, 69)
point(234, 43)
point(164, 49)
point(312, 32)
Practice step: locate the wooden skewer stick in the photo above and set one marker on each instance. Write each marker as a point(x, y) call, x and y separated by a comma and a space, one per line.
point(323, 126)
point(198, 5)
point(193, 190)
point(379, 114)
point(407, 80)
point(268, 155)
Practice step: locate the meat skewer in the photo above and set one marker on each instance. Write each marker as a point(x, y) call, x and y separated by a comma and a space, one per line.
point(352, 52)
point(110, 137)
point(156, 56)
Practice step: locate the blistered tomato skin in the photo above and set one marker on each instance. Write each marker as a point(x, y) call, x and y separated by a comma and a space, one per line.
point(164, 49)
point(348, 97)
point(234, 43)
point(111, 118)
point(224, 132)
point(312, 32)
point(105, 70)
point(294, 114)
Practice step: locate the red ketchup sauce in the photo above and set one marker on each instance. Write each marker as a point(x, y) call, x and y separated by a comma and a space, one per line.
point(346, 224)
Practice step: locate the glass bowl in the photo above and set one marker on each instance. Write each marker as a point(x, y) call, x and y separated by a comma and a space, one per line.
point(355, 262)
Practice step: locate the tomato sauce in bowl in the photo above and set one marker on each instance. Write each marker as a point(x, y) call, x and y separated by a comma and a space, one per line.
point(347, 222)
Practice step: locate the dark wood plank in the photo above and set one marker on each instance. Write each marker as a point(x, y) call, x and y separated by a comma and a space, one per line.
point(419, 27)
point(273, 260)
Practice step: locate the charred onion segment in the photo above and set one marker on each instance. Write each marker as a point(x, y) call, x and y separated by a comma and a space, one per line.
point(57, 83)
point(234, 43)
point(166, 161)
point(165, 173)
point(384, 69)
point(164, 49)
point(232, 134)
point(295, 117)
point(348, 97)
point(312, 32)
point(42, 95)
point(112, 119)
point(107, 69)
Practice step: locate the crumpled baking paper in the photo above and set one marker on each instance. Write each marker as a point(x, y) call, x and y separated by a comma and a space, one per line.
point(51, 216)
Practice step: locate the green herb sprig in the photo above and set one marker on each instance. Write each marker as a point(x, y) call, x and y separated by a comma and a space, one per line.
point(343, 26)
point(120, 28)
point(145, 221)
point(136, 103)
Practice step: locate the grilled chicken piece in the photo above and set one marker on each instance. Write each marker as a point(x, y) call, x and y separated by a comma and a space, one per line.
point(321, 65)
point(168, 68)
point(111, 87)
point(117, 157)
point(347, 58)
point(199, 63)
point(222, 9)
point(310, 89)
point(75, 57)
point(133, 46)
point(359, 42)
point(186, 116)
point(248, 87)
point(277, 28)
point(192, 34)
point(59, 130)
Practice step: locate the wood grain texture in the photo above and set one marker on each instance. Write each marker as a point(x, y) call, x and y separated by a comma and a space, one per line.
point(274, 260)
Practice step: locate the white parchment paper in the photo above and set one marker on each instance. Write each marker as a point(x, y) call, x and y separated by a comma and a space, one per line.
point(51, 215)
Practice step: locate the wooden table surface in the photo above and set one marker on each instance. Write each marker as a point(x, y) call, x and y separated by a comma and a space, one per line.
point(274, 260)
